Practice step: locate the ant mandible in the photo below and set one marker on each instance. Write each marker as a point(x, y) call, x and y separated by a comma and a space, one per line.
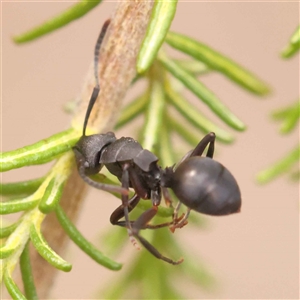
point(200, 183)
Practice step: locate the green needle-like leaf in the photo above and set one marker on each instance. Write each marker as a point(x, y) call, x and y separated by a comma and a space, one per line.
point(20, 188)
point(12, 288)
point(154, 116)
point(14, 206)
point(52, 194)
point(6, 251)
point(280, 167)
point(166, 151)
point(202, 92)
point(27, 275)
point(76, 11)
point(193, 66)
point(83, 244)
point(218, 62)
point(188, 135)
point(46, 252)
point(6, 231)
point(132, 110)
point(160, 21)
point(289, 116)
point(293, 46)
point(195, 117)
point(40, 152)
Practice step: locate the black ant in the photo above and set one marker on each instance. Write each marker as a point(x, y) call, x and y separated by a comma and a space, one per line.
point(200, 183)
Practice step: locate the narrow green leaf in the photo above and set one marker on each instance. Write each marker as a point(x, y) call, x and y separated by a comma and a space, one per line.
point(293, 46)
point(218, 62)
point(290, 123)
point(27, 276)
point(283, 113)
point(193, 66)
point(195, 117)
point(82, 243)
point(188, 135)
point(14, 206)
point(12, 288)
point(74, 12)
point(160, 21)
point(154, 116)
point(46, 252)
point(40, 152)
point(6, 251)
point(6, 231)
point(52, 194)
point(20, 188)
point(280, 167)
point(202, 92)
point(132, 110)
point(289, 116)
point(166, 150)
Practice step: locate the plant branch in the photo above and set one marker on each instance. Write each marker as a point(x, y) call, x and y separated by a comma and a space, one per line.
point(116, 71)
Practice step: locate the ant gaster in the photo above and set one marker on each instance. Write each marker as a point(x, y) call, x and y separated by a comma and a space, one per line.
point(200, 183)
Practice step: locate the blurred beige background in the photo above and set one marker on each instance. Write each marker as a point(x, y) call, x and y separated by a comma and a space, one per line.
point(254, 254)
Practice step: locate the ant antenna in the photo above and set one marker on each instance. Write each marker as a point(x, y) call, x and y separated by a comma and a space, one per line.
point(96, 89)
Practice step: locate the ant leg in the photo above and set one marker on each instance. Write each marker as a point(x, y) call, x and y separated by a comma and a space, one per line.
point(141, 223)
point(118, 213)
point(209, 139)
point(125, 203)
point(182, 222)
point(167, 197)
point(80, 160)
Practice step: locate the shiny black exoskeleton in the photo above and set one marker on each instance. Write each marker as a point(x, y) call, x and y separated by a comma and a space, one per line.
point(200, 183)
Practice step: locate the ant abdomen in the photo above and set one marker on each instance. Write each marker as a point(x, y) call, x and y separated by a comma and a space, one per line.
point(206, 186)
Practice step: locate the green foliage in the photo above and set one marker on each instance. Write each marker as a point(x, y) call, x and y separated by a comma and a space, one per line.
point(294, 45)
point(166, 77)
point(74, 12)
point(289, 117)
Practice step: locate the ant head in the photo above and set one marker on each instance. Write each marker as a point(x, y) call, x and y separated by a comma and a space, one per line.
point(88, 150)
point(206, 186)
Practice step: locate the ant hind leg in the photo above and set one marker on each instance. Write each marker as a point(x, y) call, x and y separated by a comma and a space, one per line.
point(141, 223)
